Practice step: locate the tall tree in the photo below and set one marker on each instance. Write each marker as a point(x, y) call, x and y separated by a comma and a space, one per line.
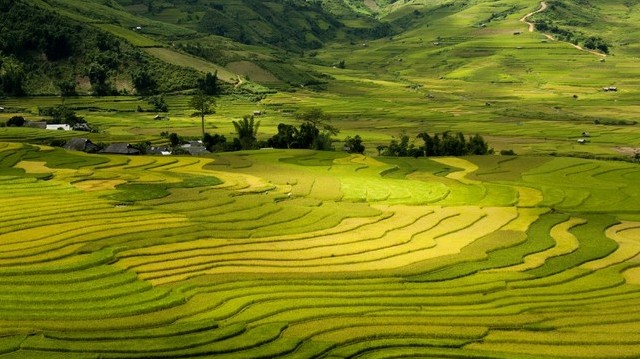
point(315, 131)
point(318, 119)
point(203, 104)
point(247, 130)
point(209, 84)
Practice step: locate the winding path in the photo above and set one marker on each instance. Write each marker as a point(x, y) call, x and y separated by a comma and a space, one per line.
point(532, 26)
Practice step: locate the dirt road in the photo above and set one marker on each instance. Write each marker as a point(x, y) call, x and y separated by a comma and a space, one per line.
point(532, 26)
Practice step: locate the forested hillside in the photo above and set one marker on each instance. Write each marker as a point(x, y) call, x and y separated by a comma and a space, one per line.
point(131, 46)
point(43, 52)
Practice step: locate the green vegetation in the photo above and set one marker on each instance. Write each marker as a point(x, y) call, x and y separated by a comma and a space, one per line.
point(40, 48)
point(302, 253)
point(423, 244)
point(448, 145)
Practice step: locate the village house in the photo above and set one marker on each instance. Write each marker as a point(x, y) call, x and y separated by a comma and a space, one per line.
point(36, 124)
point(164, 151)
point(81, 144)
point(121, 149)
point(195, 148)
point(58, 126)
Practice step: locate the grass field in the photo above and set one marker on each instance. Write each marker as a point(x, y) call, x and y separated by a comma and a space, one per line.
point(303, 254)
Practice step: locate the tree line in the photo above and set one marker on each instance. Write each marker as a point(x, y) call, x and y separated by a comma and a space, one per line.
point(443, 144)
point(314, 131)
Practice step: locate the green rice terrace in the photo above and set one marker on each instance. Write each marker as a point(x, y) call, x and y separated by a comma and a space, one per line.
point(530, 252)
point(302, 254)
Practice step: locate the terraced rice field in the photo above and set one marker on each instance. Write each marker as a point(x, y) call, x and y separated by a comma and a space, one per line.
point(298, 254)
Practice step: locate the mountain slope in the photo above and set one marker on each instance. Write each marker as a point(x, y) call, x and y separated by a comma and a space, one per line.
point(284, 44)
point(41, 51)
point(249, 38)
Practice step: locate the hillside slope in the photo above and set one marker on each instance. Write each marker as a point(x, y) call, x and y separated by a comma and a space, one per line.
point(254, 39)
point(43, 51)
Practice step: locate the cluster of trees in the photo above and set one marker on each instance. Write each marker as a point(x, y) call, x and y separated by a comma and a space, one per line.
point(314, 133)
point(596, 43)
point(444, 144)
point(354, 144)
point(62, 114)
point(158, 103)
point(16, 121)
point(591, 42)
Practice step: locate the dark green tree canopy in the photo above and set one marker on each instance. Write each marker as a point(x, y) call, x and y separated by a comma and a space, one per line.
point(314, 133)
point(16, 121)
point(143, 81)
point(247, 130)
point(354, 144)
point(209, 84)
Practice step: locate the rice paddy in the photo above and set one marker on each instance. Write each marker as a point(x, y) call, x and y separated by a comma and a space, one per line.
point(304, 254)
point(173, 257)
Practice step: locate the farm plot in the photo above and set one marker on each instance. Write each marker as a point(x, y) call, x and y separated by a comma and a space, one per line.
point(301, 254)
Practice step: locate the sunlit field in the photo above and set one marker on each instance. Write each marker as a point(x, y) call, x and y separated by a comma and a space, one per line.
point(306, 254)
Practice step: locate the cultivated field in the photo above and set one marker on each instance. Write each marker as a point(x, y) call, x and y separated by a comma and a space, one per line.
point(302, 254)
point(299, 254)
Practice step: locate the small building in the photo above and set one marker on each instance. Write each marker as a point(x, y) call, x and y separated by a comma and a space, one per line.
point(163, 151)
point(1, 109)
point(195, 148)
point(257, 113)
point(582, 141)
point(81, 144)
point(121, 149)
point(58, 126)
point(36, 124)
point(586, 134)
point(610, 88)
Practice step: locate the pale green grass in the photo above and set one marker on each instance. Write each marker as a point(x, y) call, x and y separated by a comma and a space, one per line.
point(130, 35)
point(180, 59)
